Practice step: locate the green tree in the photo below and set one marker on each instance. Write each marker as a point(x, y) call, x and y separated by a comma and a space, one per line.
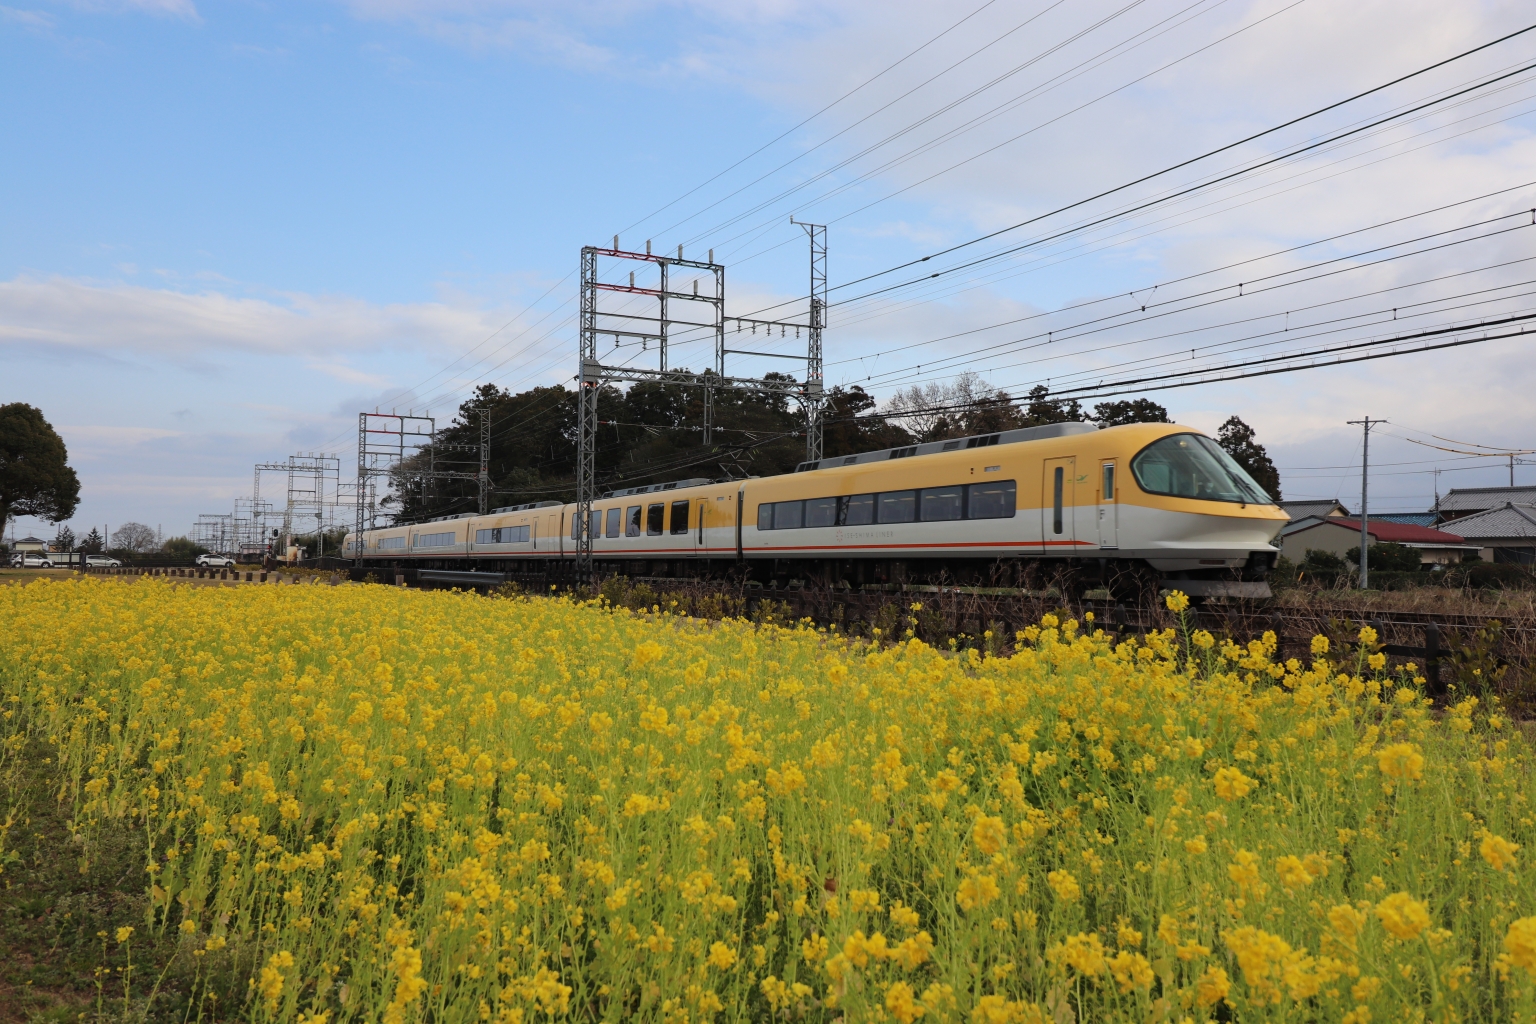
point(1320, 560)
point(1043, 409)
point(35, 477)
point(1388, 557)
point(92, 543)
point(1135, 410)
point(1237, 438)
point(182, 547)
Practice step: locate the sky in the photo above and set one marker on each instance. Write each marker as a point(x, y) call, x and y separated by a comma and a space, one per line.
point(231, 227)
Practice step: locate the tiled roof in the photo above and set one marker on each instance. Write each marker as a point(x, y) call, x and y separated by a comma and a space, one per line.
point(1509, 521)
point(1302, 509)
point(1475, 499)
point(1412, 518)
point(1402, 533)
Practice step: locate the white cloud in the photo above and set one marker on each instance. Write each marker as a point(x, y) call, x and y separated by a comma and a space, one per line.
point(38, 20)
point(116, 319)
point(185, 9)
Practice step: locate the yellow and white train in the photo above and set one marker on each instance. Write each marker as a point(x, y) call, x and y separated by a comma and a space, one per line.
point(1152, 498)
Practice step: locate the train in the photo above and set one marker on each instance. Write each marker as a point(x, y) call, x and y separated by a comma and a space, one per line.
point(1140, 504)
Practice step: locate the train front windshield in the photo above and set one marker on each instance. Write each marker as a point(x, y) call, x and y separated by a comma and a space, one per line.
point(1194, 466)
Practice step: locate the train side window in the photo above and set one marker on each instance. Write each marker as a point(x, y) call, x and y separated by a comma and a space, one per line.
point(821, 512)
point(576, 525)
point(655, 517)
point(594, 524)
point(942, 504)
point(859, 510)
point(765, 516)
point(632, 521)
point(994, 499)
point(679, 517)
point(615, 522)
point(788, 515)
point(898, 506)
point(1109, 481)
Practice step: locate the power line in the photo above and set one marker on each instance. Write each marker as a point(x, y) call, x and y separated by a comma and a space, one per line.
point(1229, 146)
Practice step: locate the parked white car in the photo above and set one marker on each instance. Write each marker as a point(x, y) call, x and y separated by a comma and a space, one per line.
point(215, 561)
point(103, 561)
point(32, 560)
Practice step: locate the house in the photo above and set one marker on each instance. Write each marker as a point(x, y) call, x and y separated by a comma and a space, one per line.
point(1302, 509)
point(1467, 501)
point(1506, 534)
point(1411, 518)
point(30, 545)
point(1340, 536)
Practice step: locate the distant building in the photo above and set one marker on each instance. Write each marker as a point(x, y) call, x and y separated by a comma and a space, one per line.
point(1467, 501)
point(1340, 536)
point(1411, 518)
point(1506, 534)
point(1298, 510)
point(29, 544)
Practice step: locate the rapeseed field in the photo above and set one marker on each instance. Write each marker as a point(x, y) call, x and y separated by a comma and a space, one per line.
point(366, 804)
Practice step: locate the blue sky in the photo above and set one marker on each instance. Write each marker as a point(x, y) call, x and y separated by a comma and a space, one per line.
point(232, 226)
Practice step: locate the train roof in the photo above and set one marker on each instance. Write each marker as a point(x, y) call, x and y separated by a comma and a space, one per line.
point(1041, 433)
point(524, 507)
point(697, 481)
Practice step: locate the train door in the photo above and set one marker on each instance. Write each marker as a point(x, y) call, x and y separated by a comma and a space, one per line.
point(700, 510)
point(1056, 511)
point(1109, 506)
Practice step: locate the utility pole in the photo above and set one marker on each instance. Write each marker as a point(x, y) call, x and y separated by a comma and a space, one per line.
point(1365, 475)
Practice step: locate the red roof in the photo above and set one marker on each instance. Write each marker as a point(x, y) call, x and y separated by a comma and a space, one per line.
point(1400, 533)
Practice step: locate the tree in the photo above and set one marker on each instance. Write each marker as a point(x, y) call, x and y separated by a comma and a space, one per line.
point(92, 543)
point(1388, 557)
point(1321, 560)
point(1135, 410)
point(134, 537)
point(1043, 409)
point(1237, 438)
point(182, 547)
point(64, 540)
point(35, 477)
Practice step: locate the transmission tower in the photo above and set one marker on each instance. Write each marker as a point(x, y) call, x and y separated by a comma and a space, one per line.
point(384, 440)
point(658, 323)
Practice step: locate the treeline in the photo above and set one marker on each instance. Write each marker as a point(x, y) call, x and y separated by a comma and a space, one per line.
point(652, 433)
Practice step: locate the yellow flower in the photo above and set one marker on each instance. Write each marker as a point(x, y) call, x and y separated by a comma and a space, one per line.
point(1212, 987)
point(977, 891)
point(1319, 645)
point(1401, 761)
point(721, 956)
point(124, 933)
point(1520, 943)
point(1064, 884)
point(1177, 601)
point(1082, 952)
point(1497, 851)
point(1347, 923)
point(1131, 970)
point(902, 1002)
point(1367, 636)
point(1232, 784)
point(1402, 915)
point(1203, 640)
point(1244, 869)
point(1377, 661)
point(1293, 873)
point(988, 834)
